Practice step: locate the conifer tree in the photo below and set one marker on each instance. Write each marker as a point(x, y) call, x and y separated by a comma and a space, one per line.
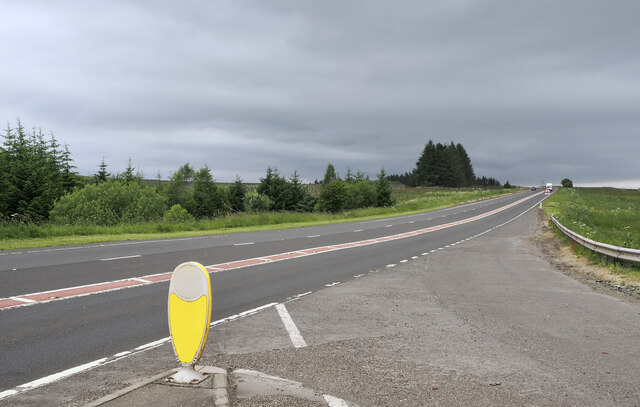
point(237, 192)
point(467, 168)
point(180, 189)
point(205, 194)
point(383, 190)
point(34, 173)
point(102, 175)
point(276, 188)
point(329, 174)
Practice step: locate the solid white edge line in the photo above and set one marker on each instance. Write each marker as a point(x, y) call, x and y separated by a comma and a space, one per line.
point(243, 244)
point(129, 279)
point(105, 361)
point(61, 375)
point(290, 326)
point(334, 401)
point(8, 393)
point(153, 344)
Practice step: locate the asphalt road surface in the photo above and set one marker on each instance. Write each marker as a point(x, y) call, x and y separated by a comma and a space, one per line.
point(44, 338)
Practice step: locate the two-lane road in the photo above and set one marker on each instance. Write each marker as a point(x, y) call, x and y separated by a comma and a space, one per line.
point(39, 339)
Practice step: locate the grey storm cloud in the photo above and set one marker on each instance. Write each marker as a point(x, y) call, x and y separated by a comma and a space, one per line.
point(533, 90)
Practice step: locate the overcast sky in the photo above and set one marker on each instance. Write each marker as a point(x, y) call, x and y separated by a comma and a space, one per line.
point(533, 89)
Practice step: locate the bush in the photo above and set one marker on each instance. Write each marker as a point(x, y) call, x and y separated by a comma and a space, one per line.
point(255, 202)
point(177, 214)
point(332, 196)
point(109, 203)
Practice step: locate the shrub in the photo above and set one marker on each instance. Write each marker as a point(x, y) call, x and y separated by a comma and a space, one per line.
point(109, 203)
point(332, 196)
point(255, 202)
point(177, 214)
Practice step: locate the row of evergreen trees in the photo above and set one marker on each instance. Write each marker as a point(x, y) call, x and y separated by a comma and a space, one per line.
point(443, 165)
point(34, 173)
point(192, 194)
point(38, 183)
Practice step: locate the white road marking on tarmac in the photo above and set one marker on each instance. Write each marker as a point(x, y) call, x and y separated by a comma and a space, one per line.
point(67, 293)
point(332, 284)
point(290, 326)
point(28, 301)
point(391, 265)
point(122, 258)
point(302, 295)
point(78, 369)
point(334, 401)
point(244, 244)
point(61, 375)
point(357, 230)
point(309, 237)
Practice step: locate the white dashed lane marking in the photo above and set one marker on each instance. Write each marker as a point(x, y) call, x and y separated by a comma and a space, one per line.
point(122, 258)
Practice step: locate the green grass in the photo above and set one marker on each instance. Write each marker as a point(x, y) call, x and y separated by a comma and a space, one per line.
point(606, 215)
point(408, 200)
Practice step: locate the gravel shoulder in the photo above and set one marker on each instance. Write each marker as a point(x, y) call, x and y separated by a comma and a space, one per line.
point(490, 321)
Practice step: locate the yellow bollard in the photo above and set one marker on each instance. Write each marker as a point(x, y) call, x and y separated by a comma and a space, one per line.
point(189, 318)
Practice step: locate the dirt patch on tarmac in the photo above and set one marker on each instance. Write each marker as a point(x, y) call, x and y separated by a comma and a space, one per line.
point(565, 260)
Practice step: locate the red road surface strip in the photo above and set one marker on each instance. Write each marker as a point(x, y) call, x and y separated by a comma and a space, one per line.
point(53, 295)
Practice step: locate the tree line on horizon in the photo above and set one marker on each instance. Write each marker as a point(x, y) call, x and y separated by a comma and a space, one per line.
point(39, 184)
point(443, 165)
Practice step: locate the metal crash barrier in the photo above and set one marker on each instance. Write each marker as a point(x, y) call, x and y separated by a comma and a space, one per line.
point(619, 253)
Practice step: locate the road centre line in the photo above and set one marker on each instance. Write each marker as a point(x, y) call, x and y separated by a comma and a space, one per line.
point(243, 244)
point(26, 300)
point(72, 292)
point(290, 326)
point(309, 237)
point(179, 239)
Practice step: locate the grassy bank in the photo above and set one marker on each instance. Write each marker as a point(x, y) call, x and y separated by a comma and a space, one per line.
point(606, 215)
point(408, 200)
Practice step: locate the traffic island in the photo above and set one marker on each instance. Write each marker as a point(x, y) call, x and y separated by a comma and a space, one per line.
point(158, 390)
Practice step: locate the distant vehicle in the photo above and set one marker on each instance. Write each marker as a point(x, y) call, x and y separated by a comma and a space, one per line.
point(550, 186)
point(533, 188)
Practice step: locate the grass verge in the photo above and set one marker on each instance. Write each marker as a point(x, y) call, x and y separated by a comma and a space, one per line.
point(408, 201)
point(606, 215)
